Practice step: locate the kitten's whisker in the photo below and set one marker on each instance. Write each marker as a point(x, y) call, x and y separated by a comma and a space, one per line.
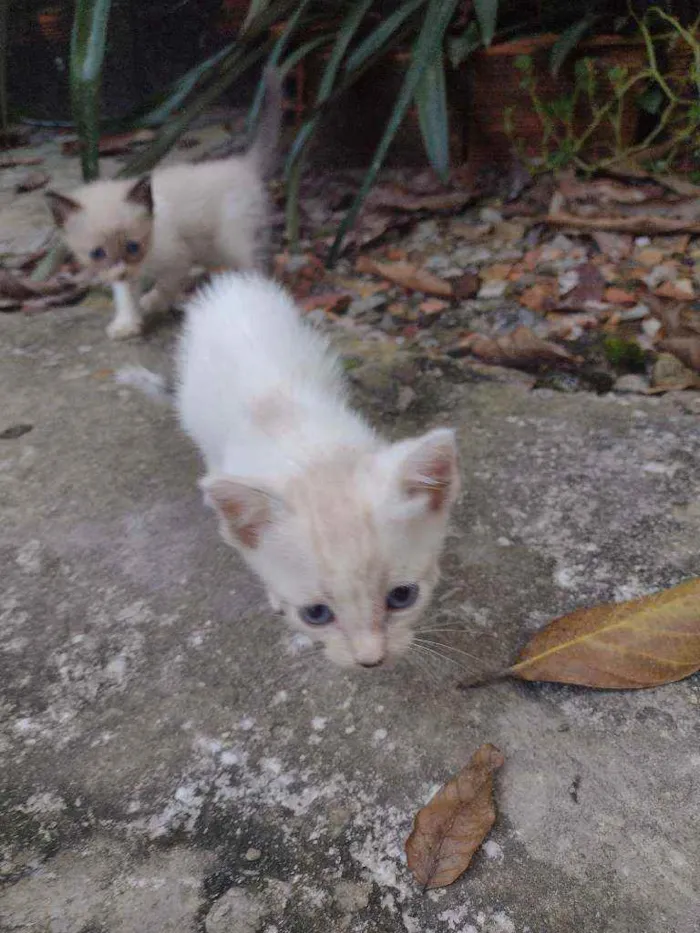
point(438, 654)
point(449, 647)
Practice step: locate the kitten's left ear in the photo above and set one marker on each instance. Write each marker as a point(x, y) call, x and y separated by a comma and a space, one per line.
point(428, 469)
point(142, 194)
point(62, 207)
point(244, 511)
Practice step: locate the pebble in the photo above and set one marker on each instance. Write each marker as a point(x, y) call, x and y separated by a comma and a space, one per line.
point(631, 382)
point(364, 305)
point(489, 215)
point(236, 911)
point(496, 288)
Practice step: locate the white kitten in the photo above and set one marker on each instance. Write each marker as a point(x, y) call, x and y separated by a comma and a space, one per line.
point(210, 214)
point(344, 529)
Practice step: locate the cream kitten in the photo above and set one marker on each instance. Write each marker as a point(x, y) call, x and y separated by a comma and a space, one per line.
point(344, 529)
point(210, 214)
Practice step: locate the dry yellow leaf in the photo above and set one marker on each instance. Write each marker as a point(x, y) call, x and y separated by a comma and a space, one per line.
point(641, 643)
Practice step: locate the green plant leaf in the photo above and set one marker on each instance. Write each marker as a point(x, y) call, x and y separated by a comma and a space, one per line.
point(4, 107)
point(87, 49)
point(347, 30)
point(375, 40)
point(487, 15)
point(428, 46)
point(568, 41)
point(431, 100)
point(273, 60)
point(145, 160)
point(459, 48)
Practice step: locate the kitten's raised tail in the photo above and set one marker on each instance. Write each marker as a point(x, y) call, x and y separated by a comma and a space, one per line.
point(263, 149)
point(155, 386)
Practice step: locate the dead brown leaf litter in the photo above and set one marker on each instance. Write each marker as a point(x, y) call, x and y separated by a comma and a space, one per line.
point(631, 645)
point(452, 826)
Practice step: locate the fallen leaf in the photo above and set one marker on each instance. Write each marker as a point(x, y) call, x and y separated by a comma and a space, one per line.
point(687, 349)
point(335, 302)
point(112, 145)
point(619, 296)
point(466, 286)
point(15, 431)
point(19, 161)
point(614, 245)
point(21, 292)
point(670, 375)
point(396, 199)
point(470, 232)
point(520, 348)
point(641, 643)
point(589, 288)
point(432, 307)
point(408, 276)
point(680, 290)
point(500, 271)
point(32, 182)
point(542, 296)
point(650, 257)
point(451, 827)
point(641, 224)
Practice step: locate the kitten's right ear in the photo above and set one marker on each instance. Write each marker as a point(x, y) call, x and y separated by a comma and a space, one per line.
point(62, 207)
point(142, 194)
point(244, 511)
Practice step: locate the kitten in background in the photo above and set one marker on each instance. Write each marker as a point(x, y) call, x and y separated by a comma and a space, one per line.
point(344, 528)
point(210, 214)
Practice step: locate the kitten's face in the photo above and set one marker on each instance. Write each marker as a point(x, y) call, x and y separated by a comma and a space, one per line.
point(350, 551)
point(108, 226)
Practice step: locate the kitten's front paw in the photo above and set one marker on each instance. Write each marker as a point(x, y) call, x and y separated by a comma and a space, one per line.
point(154, 303)
point(122, 330)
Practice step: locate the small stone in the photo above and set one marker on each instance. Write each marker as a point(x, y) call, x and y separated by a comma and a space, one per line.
point(365, 305)
point(496, 288)
point(237, 911)
point(562, 242)
point(253, 855)
point(470, 232)
point(642, 241)
point(631, 383)
point(470, 255)
point(352, 896)
point(669, 373)
point(437, 263)
point(666, 272)
point(405, 399)
point(637, 313)
point(568, 281)
point(489, 215)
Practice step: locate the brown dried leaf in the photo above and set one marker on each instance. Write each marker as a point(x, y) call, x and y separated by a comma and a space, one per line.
point(336, 302)
point(112, 145)
point(409, 276)
point(394, 198)
point(521, 348)
point(687, 349)
point(542, 296)
point(32, 182)
point(467, 285)
point(641, 643)
point(590, 287)
point(19, 161)
point(614, 245)
point(451, 827)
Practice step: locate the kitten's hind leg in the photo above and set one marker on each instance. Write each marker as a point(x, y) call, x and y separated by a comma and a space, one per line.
point(162, 296)
point(127, 320)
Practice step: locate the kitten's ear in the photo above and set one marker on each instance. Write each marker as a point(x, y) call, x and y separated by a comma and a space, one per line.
point(142, 194)
point(244, 511)
point(428, 469)
point(61, 207)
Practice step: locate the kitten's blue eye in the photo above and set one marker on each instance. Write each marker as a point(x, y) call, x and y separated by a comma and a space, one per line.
point(97, 253)
point(133, 248)
point(318, 614)
point(402, 597)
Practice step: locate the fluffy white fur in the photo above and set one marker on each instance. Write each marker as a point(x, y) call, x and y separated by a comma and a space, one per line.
point(211, 214)
point(320, 507)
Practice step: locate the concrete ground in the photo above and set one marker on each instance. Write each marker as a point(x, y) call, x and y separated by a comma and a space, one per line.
point(172, 762)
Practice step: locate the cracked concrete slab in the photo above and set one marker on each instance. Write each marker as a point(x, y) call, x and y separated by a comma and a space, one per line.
point(171, 760)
